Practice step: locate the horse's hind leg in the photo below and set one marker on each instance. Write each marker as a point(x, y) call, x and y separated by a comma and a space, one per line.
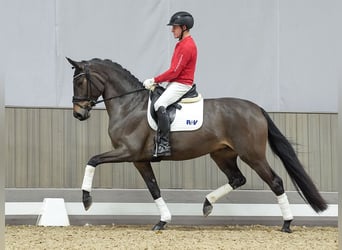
point(146, 172)
point(263, 169)
point(226, 161)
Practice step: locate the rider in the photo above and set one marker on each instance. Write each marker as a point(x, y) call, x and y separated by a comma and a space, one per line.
point(180, 76)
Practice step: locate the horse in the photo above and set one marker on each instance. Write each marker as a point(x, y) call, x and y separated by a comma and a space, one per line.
point(231, 128)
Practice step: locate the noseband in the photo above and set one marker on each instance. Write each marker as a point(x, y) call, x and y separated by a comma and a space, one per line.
point(91, 101)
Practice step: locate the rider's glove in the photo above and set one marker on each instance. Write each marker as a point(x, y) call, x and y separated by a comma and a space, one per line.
point(149, 83)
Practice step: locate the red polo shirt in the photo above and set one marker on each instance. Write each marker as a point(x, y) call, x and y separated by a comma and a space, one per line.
point(183, 63)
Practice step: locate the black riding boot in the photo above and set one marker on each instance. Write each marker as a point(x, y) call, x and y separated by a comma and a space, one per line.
point(163, 147)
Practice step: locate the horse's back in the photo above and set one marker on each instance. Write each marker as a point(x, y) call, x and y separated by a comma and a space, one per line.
point(232, 105)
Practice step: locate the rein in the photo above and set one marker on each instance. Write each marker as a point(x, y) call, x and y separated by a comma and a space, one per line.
point(92, 102)
point(118, 96)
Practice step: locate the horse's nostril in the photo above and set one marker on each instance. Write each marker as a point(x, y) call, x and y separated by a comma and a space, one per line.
point(81, 116)
point(78, 116)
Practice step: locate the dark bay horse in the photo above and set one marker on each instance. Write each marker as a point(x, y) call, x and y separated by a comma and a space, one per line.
point(231, 128)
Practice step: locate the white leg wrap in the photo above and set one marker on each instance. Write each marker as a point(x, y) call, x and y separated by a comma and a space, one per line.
point(218, 193)
point(165, 214)
point(88, 178)
point(285, 207)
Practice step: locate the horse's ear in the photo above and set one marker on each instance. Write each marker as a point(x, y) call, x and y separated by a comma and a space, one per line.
point(73, 63)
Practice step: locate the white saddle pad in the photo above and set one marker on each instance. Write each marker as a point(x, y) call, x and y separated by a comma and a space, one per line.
point(188, 118)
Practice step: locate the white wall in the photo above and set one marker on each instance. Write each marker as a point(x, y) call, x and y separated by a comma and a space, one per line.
point(3, 155)
point(282, 54)
point(339, 160)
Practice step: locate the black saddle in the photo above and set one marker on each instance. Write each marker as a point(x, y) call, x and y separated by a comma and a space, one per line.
point(171, 109)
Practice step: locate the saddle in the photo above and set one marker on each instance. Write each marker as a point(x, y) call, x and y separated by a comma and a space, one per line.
point(189, 97)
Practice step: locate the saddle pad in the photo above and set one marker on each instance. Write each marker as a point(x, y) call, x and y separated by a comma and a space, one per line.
point(188, 118)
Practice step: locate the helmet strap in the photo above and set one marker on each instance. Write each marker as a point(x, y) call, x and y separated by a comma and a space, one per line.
point(183, 30)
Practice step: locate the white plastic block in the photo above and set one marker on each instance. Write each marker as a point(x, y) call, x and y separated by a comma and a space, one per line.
point(53, 213)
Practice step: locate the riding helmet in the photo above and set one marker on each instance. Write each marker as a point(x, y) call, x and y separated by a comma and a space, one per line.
point(182, 18)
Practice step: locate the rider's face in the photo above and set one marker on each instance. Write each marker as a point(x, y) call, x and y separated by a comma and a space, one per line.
point(177, 31)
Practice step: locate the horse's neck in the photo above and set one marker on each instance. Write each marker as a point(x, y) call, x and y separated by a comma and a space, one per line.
point(119, 86)
point(122, 105)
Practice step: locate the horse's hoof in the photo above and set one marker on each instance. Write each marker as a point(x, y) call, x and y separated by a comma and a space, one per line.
point(207, 208)
point(87, 200)
point(286, 230)
point(159, 226)
point(286, 226)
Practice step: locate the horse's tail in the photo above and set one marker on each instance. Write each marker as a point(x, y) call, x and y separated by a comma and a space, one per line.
point(301, 180)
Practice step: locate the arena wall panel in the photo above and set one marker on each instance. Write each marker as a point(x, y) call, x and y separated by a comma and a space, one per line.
point(49, 148)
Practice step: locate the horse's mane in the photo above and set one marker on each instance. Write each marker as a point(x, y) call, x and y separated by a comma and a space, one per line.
point(117, 68)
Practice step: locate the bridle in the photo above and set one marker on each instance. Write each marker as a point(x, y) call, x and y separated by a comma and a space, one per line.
point(91, 101)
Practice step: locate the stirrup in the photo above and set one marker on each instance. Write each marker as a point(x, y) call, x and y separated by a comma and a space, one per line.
point(161, 150)
point(164, 150)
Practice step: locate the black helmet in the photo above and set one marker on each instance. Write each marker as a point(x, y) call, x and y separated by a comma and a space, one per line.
point(182, 18)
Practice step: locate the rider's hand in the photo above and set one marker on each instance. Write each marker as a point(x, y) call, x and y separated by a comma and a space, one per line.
point(149, 83)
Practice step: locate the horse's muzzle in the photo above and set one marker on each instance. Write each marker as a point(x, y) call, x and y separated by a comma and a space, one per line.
point(80, 116)
point(81, 111)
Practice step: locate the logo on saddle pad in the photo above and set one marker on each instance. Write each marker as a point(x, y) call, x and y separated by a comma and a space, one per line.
point(187, 116)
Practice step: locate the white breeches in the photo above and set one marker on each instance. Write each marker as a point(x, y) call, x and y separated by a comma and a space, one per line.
point(173, 92)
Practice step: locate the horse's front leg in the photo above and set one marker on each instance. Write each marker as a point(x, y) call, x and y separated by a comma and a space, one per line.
point(146, 172)
point(86, 186)
point(117, 155)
